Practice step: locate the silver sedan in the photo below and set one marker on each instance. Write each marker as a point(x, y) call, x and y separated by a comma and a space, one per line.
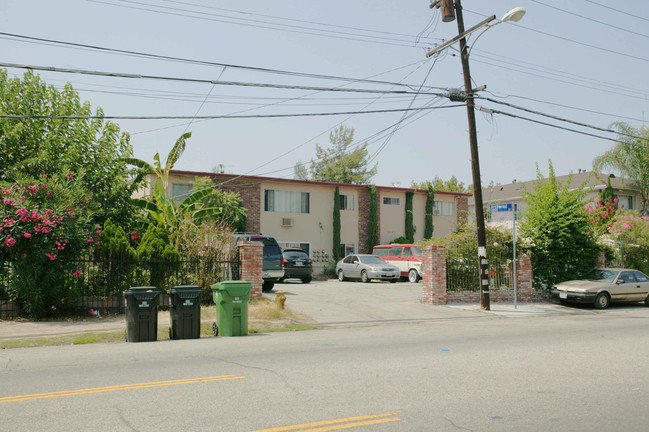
point(366, 267)
point(602, 286)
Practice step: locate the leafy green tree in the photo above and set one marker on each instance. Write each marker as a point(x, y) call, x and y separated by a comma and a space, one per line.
point(336, 228)
point(233, 213)
point(91, 149)
point(430, 201)
point(158, 255)
point(115, 259)
point(630, 157)
point(300, 172)
point(340, 163)
point(163, 210)
point(557, 227)
point(410, 228)
point(450, 185)
point(373, 221)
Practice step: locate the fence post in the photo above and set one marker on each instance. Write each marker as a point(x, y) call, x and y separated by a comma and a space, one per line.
point(251, 255)
point(434, 277)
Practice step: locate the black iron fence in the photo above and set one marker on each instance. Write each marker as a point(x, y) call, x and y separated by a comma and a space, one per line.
point(100, 284)
point(463, 270)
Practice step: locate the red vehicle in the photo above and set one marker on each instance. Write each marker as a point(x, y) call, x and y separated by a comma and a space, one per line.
point(405, 256)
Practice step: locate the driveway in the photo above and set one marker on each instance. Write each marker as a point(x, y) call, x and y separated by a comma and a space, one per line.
point(335, 303)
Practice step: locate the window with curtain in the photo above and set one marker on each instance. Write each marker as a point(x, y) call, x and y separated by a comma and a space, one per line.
point(441, 208)
point(286, 202)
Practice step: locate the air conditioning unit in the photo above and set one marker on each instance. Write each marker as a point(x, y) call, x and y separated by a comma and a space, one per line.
point(287, 222)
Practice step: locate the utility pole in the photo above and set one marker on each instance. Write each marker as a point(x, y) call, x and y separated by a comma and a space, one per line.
point(475, 163)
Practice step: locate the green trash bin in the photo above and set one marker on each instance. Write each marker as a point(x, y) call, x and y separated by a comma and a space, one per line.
point(231, 299)
point(141, 304)
point(185, 311)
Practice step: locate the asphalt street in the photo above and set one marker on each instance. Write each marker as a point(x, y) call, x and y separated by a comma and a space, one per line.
point(447, 369)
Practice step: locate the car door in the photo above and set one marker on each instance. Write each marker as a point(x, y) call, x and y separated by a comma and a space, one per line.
point(641, 286)
point(395, 258)
point(407, 258)
point(354, 267)
point(625, 286)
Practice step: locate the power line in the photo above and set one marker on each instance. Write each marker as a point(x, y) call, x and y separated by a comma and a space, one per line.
point(617, 10)
point(590, 19)
point(199, 80)
point(570, 40)
point(212, 117)
point(199, 62)
point(282, 28)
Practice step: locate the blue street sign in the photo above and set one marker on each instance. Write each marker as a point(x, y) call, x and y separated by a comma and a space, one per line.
point(501, 208)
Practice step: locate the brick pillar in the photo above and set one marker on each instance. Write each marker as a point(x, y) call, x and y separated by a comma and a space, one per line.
point(524, 278)
point(434, 275)
point(251, 254)
point(462, 207)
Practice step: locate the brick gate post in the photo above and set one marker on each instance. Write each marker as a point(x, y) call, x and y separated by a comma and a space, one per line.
point(434, 278)
point(524, 278)
point(251, 254)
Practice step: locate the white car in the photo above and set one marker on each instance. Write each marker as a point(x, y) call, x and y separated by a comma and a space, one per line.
point(366, 267)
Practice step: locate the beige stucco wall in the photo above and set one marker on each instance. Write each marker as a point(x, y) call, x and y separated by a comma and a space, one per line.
point(393, 217)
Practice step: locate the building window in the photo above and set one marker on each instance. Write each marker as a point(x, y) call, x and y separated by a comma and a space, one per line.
point(625, 201)
point(346, 249)
point(180, 191)
point(346, 202)
point(390, 201)
point(286, 202)
point(441, 208)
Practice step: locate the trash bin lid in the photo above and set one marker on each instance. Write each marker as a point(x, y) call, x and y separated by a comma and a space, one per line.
point(187, 291)
point(143, 293)
point(233, 288)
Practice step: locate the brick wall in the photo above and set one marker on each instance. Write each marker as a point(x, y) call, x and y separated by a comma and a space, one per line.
point(434, 282)
point(251, 254)
point(250, 194)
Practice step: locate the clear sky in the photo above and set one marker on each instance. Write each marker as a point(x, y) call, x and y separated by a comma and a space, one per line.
point(583, 60)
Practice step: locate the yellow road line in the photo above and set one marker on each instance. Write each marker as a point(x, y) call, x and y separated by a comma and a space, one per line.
point(370, 419)
point(117, 388)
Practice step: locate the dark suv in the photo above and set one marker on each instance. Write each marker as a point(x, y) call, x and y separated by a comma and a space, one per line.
point(273, 260)
point(297, 264)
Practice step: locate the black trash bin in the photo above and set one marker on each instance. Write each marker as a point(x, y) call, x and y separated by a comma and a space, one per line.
point(141, 304)
point(185, 309)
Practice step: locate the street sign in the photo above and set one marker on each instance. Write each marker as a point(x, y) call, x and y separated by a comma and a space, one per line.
point(501, 207)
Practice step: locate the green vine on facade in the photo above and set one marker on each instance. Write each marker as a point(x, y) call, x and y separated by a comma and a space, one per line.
point(336, 228)
point(373, 221)
point(410, 228)
point(430, 200)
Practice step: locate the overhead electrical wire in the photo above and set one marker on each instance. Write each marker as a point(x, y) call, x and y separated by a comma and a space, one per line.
point(610, 51)
point(199, 80)
point(283, 27)
point(617, 10)
point(590, 19)
point(201, 62)
point(212, 117)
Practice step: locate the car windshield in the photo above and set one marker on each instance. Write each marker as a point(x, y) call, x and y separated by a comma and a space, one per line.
point(371, 259)
point(601, 275)
point(295, 254)
point(416, 251)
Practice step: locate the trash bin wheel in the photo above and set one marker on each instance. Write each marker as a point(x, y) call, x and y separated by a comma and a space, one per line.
point(215, 329)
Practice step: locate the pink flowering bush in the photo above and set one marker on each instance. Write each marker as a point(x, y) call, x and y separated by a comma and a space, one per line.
point(632, 231)
point(601, 214)
point(45, 223)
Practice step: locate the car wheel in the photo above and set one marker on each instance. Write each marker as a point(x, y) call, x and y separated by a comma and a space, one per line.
point(306, 279)
point(267, 286)
point(364, 277)
point(601, 301)
point(341, 276)
point(413, 276)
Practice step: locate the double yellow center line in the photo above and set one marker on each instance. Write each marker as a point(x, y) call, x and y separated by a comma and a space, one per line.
point(338, 424)
point(117, 388)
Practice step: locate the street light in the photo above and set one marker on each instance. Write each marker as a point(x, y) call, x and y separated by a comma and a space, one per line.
point(513, 15)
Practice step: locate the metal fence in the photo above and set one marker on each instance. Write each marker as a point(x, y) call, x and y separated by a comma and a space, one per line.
point(100, 284)
point(463, 270)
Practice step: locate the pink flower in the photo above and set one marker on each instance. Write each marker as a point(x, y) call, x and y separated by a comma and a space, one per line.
point(51, 256)
point(69, 176)
point(6, 201)
point(10, 241)
point(27, 235)
point(90, 240)
point(77, 273)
